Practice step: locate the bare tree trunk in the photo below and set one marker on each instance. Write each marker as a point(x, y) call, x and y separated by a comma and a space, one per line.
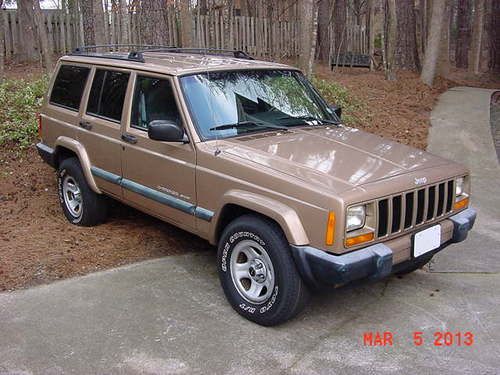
point(186, 24)
point(42, 33)
point(443, 64)
point(99, 29)
point(308, 23)
point(495, 37)
point(2, 44)
point(433, 41)
point(406, 44)
point(28, 47)
point(339, 25)
point(87, 8)
point(371, 31)
point(153, 25)
point(477, 37)
point(124, 22)
point(390, 46)
point(463, 36)
point(324, 18)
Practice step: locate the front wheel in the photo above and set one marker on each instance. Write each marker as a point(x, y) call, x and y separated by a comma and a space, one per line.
point(257, 271)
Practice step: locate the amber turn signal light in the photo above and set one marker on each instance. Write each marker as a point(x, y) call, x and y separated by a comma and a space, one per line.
point(330, 229)
point(352, 241)
point(461, 204)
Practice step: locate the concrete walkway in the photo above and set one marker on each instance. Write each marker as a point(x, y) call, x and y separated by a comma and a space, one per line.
point(170, 316)
point(461, 131)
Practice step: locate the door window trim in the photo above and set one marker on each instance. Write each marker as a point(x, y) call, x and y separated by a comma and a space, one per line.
point(143, 132)
point(89, 89)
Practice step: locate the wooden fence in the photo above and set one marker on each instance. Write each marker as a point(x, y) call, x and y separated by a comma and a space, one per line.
point(260, 37)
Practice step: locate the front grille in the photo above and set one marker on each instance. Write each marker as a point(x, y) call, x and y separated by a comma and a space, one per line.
point(409, 209)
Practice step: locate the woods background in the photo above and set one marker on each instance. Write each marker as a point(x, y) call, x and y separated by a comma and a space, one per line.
point(427, 36)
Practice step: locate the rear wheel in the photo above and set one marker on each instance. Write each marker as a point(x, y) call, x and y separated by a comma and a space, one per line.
point(257, 271)
point(80, 204)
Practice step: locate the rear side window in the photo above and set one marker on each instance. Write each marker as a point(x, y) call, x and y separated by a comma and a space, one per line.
point(69, 85)
point(107, 94)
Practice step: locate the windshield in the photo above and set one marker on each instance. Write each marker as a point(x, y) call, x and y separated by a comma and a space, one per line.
point(225, 104)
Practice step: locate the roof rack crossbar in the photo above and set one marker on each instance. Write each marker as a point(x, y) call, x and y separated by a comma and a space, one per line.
point(202, 51)
point(133, 53)
point(136, 51)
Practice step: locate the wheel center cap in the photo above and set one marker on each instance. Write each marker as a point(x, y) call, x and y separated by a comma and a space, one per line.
point(258, 271)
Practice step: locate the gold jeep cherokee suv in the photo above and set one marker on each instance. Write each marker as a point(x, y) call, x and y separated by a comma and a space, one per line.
point(247, 155)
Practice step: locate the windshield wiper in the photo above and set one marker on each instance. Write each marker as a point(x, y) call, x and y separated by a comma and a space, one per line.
point(256, 124)
point(311, 118)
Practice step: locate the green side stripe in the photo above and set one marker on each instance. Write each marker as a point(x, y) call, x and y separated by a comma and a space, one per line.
point(166, 199)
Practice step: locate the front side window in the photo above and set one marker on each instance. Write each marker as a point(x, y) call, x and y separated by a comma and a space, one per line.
point(225, 104)
point(153, 100)
point(108, 94)
point(68, 86)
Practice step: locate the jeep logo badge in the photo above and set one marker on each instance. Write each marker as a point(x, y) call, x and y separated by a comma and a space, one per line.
point(420, 180)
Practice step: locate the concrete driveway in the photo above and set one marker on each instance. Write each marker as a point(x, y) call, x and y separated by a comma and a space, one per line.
point(170, 316)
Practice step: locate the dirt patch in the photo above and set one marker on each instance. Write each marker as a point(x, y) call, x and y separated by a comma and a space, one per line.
point(38, 245)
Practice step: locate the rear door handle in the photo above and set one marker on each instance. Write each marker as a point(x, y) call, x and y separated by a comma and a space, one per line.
point(129, 138)
point(85, 125)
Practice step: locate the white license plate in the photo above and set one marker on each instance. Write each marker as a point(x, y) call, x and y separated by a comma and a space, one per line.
point(427, 240)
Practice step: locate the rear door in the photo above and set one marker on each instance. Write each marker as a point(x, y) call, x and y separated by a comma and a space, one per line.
point(158, 177)
point(100, 126)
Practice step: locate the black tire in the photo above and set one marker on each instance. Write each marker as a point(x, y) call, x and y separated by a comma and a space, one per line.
point(289, 294)
point(412, 267)
point(93, 208)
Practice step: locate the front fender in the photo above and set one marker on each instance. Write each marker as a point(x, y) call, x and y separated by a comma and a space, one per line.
point(81, 153)
point(284, 215)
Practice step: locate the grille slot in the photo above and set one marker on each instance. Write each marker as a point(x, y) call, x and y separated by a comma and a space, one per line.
point(441, 195)
point(383, 217)
point(450, 195)
point(410, 198)
point(396, 213)
point(406, 210)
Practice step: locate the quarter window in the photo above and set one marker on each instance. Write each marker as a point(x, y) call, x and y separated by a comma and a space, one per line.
point(107, 94)
point(69, 85)
point(153, 100)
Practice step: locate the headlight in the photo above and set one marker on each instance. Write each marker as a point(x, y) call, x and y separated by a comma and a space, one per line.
point(459, 186)
point(355, 218)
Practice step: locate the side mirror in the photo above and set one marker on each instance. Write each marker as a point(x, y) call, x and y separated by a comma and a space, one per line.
point(337, 110)
point(166, 131)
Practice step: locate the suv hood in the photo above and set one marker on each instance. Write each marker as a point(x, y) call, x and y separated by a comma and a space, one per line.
point(338, 158)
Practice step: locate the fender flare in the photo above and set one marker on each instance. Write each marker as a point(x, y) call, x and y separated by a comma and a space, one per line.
point(285, 216)
point(81, 153)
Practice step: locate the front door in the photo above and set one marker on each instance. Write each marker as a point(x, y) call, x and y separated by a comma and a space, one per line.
point(100, 127)
point(159, 177)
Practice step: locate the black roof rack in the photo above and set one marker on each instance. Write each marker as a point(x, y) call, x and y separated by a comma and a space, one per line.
point(136, 51)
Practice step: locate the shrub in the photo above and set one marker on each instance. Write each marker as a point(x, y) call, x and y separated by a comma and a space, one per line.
point(353, 110)
point(20, 99)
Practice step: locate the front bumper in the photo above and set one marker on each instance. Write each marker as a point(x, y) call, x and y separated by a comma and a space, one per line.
point(373, 262)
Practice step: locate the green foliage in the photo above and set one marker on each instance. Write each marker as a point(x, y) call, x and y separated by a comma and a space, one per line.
point(353, 110)
point(20, 99)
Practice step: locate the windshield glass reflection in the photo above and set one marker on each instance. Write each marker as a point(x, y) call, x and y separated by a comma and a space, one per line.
point(225, 104)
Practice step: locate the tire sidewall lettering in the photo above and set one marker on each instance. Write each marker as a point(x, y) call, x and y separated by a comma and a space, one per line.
point(231, 241)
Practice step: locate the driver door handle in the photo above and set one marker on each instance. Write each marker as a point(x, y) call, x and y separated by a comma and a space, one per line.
point(129, 138)
point(85, 125)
